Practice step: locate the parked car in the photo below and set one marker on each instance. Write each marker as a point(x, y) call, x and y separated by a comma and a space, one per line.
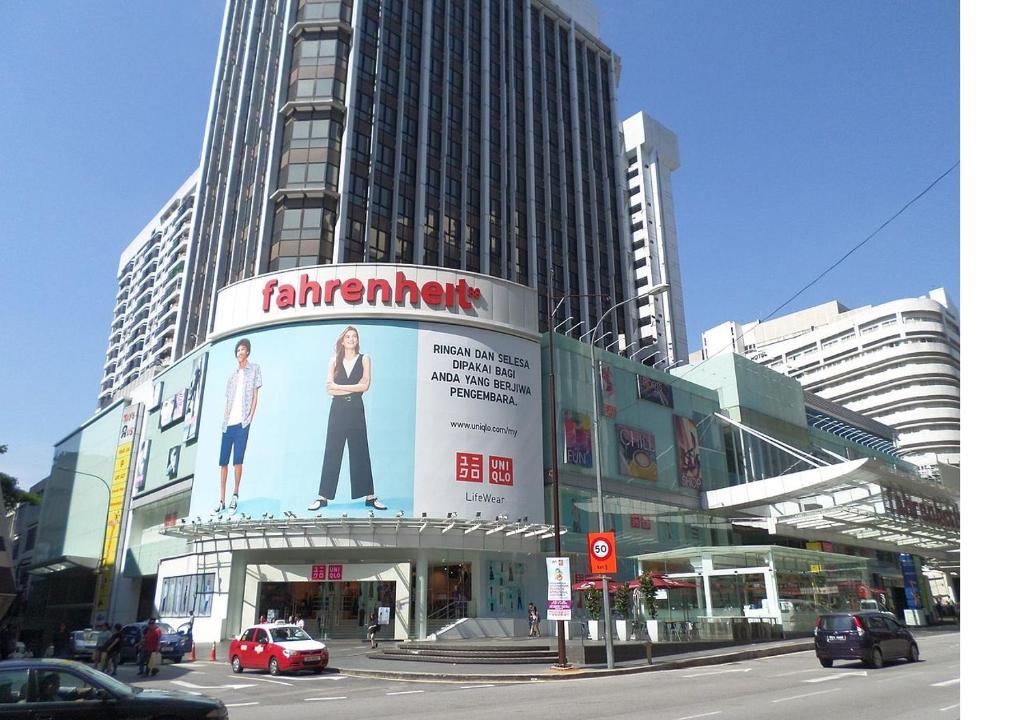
point(277, 649)
point(53, 688)
point(83, 643)
point(869, 636)
point(174, 644)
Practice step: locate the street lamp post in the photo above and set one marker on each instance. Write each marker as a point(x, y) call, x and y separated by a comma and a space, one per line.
point(605, 602)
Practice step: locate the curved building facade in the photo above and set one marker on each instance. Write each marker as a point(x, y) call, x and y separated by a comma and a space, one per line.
point(897, 363)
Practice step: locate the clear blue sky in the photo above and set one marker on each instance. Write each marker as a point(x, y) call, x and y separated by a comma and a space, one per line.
point(802, 127)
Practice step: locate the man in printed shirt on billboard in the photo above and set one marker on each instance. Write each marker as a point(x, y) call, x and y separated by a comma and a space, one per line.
point(241, 397)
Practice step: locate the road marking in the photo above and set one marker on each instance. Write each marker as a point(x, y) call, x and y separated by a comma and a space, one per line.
point(944, 683)
point(838, 676)
point(240, 704)
point(797, 697)
point(185, 683)
point(708, 714)
point(275, 682)
point(718, 672)
point(311, 678)
point(405, 692)
point(337, 697)
point(949, 707)
point(795, 672)
point(471, 687)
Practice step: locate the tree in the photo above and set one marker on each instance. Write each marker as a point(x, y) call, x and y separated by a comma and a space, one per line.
point(648, 594)
point(592, 602)
point(622, 601)
point(13, 495)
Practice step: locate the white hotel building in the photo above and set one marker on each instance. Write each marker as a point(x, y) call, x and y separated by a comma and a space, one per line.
point(898, 363)
point(149, 279)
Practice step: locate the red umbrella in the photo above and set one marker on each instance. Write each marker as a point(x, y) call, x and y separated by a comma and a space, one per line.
point(662, 583)
point(593, 582)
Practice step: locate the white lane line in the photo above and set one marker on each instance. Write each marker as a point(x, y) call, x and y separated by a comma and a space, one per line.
point(337, 697)
point(471, 687)
point(405, 692)
point(944, 683)
point(949, 707)
point(240, 704)
point(313, 678)
point(707, 714)
point(837, 676)
point(797, 697)
point(795, 672)
point(275, 682)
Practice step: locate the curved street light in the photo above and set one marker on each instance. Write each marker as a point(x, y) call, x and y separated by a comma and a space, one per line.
point(606, 605)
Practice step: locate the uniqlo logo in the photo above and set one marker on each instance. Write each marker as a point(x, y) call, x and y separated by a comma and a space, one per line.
point(469, 467)
point(500, 470)
point(334, 572)
point(319, 572)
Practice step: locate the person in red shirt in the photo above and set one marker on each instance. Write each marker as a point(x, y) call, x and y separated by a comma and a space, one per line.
point(149, 644)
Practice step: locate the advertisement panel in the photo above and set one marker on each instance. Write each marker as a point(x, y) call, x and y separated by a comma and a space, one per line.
point(687, 453)
point(579, 448)
point(638, 456)
point(194, 399)
point(559, 588)
point(653, 390)
point(608, 390)
point(370, 415)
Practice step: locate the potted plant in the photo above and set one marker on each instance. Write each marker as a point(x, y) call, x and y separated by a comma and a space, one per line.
point(648, 596)
point(622, 603)
point(592, 603)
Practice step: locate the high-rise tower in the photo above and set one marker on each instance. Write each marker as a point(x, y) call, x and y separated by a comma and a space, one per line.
point(470, 134)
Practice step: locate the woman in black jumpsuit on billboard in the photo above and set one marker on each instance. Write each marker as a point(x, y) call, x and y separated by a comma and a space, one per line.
point(348, 377)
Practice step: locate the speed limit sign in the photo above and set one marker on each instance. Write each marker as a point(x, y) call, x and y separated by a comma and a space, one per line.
point(602, 553)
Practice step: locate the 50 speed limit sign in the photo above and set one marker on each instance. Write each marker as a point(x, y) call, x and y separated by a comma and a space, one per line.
point(602, 553)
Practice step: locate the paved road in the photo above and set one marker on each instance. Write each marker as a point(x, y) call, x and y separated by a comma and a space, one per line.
point(788, 686)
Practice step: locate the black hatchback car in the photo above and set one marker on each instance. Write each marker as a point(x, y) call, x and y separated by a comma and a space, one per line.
point(871, 637)
point(63, 689)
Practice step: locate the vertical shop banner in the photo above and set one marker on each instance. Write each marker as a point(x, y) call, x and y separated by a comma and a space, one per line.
point(608, 390)
point(130, 419)
point(141, 465)
point(687, 453)
point(638, 456)
point(194, 398)
point(579, 448)
point(559, 589)
point(910, 589)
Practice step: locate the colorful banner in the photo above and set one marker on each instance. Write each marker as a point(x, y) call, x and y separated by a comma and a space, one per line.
point(653, 390)
point(687, 453)
point(559, 589)
point(115, 510)
point(194, 398)
point(608, 390)
point(910, 589)
point(577, 438)
point(638, 456)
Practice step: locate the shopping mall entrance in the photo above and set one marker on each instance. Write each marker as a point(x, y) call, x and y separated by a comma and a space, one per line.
point(331, 610)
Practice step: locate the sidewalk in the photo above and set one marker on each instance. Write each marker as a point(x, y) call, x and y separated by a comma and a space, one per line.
point(354, 658)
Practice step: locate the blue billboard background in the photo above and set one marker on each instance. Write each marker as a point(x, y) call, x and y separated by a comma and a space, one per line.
point(284, 455)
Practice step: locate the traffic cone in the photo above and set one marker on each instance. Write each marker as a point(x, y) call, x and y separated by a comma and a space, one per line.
point(192, 653)
point(213, 653)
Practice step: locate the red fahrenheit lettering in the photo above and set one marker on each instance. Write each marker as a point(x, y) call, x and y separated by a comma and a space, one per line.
point(500, 470)
point(469, 467)
point(286, 297)
point(463, 292)
point(352, 290)
point(268, 290)
point(432, 292)
point(375, 287)
point(330, 287)
point(306, 287)
point(404, 286)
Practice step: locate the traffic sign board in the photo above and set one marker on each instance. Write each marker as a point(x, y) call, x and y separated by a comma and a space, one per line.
point(602, 553)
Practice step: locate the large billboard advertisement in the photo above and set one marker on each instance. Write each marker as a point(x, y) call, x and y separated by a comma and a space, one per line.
point(353, 416)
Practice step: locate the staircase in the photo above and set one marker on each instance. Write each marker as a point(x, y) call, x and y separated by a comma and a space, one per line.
point(471, 652)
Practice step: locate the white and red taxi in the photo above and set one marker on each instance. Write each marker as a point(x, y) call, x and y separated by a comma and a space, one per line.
point(277, 649)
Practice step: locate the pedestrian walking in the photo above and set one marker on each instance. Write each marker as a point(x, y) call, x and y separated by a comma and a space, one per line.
point(373, 629)
point(112, 651)
point(148, 645)
point(533, 615)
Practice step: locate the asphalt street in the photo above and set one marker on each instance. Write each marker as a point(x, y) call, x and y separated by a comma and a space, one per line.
point(786, 686)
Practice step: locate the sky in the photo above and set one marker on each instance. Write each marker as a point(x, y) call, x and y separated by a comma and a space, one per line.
point(803, 126)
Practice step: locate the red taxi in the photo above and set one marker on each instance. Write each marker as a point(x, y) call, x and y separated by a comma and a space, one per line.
point(277, 649)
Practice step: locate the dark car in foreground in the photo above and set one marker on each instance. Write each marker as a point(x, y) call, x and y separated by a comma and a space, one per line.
point(63, 689)
point(871, 637)
point(174, 644)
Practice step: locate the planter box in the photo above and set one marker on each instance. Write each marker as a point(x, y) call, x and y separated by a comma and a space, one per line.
point(622, 630)
point(595, 628)
point(653, 627)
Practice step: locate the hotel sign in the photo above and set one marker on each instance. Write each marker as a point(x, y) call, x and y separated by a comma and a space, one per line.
point(912, 507)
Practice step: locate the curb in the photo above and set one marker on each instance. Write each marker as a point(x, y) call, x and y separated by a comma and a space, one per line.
point(575, 674)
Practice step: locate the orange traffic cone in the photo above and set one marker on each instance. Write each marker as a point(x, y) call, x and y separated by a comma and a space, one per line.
point(213, 653)
point(192, 653)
